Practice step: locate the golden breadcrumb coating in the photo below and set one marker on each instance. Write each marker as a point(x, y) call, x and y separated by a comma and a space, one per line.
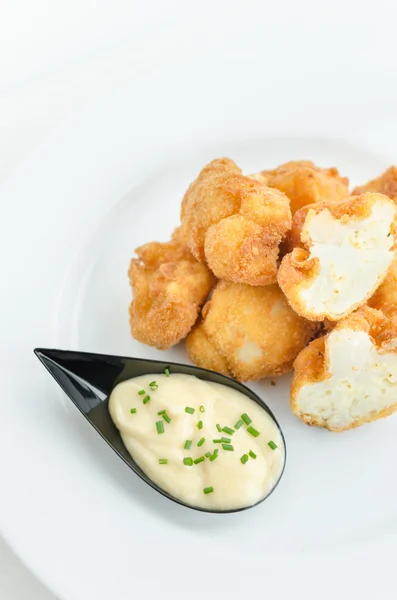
point(248, 332)
point(384, 184)
point(293, 237)
point(235, 224)
point(385, 297)
point(346, 249)
point(169, 286)
point(349, 376)
point(202, 351)
point(305, 183)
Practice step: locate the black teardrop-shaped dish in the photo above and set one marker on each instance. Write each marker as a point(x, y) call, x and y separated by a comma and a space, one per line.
point(88, 379)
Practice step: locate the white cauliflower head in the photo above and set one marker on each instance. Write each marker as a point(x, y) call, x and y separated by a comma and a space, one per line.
point(348, 377)
point(346, 250)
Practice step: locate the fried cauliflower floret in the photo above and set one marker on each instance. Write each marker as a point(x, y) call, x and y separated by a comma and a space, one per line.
point(248, 332)
point(384, 184)
point(235, 224)
point(385, 297)
point(305, 183)
point(347, 250)
point(169, 286)
point(348, 377)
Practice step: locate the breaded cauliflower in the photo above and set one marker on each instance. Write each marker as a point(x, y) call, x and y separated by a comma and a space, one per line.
point(248, 332)
point(384, 184)
point(235, 224)
point(169, 286)
point(305, 183)
point(347, 250)
point(348, 377)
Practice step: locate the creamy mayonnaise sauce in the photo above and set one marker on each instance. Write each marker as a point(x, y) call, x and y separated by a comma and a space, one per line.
point(235, 483)
point(353, 258)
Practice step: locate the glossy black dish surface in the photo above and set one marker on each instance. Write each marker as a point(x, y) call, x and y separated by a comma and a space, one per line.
point(88, 380)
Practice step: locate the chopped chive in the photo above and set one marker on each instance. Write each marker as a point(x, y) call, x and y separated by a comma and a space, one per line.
point(188, 461)
point(207, 454)
point(189, 410)
point(214, 455)
point(228, 430)
point(252, 454)
point(202, 409)
point(244, 458)
point(163, 461)
point(160, 426)
point(201, 442)
point(217, 441)
point(227, 447)
point(161, 412)
point(219, 428)
point(253, 431)
point(225, 440)
point(188, 444)
point(146, 399)
point(153, 385)
point(208, 490)
point(167, 372)
point(272, 445)
point(166, 418)
point(199, 460)
point(246, 419)
point(200, 425)
point(239, 424)
point(141, 392)
point(133, 411)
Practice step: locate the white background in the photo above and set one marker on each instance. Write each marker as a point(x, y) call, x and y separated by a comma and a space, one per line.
point(56, 58)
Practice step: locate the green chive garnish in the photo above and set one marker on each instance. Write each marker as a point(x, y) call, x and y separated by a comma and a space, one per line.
point(202, 409)
point(188, 444)
point(219, 428)
point(188, 461)
point(161, 412)
point(214, 455)
point(166, 418)
point(201, 442)
point(253, 431)
point(217, 441)
point(244, 458)
point(252, 454)
point(133, 411)
point(153, 385)
point(163, 461)
point(272, 445)
point(228, 430)
point(228, 447)
point(208, 490)
point(141, 392)
point(199, 460)
point(167, 372)
point(246, 419)
point(189, 410)
point(200, 425)
point(160, 426)
point(225, 440)
point(207, 454)
point(146, 399)
point(239, 424)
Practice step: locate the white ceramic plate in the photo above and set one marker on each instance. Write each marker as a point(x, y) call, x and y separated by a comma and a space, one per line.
point(113, 179)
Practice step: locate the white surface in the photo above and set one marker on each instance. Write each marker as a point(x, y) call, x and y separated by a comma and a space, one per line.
point(65, 173)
